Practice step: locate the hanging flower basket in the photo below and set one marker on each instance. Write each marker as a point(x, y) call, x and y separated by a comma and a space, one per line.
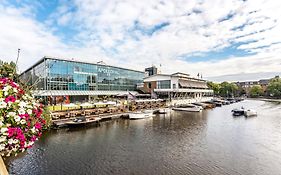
point(21, 119)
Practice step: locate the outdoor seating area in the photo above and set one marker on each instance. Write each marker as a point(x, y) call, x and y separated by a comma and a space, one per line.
point(72, 110)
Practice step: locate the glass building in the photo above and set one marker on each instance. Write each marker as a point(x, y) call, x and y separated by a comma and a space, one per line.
point(61, 77)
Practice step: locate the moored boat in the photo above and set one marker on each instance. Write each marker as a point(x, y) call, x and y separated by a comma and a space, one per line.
point(141, 115)
point(161, 111)
point(188, 108)
point(238, 112)
point(83, 121)
point(250, 113)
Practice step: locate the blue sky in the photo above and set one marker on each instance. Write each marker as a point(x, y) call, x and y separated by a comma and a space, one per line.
point(232, 37)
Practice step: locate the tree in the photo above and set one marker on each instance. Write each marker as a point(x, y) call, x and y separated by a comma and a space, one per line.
point(256, 91)
point(228, 89)
point(274, 87)
point(214, 86)
point(8, 70)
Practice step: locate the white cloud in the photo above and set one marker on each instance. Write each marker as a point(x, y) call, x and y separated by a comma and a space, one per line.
point(108, 31)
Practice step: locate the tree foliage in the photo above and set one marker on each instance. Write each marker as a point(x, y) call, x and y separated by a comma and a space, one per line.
point(274, 87)
point(224, 89)
point(8, 70)
point(214, 86)
point(256, 91)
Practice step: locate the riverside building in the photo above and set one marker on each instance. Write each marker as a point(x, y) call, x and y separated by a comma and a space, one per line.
point(178, 87)
point(55, 78)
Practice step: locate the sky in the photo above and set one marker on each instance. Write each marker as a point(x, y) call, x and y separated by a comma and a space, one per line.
point(217, 38)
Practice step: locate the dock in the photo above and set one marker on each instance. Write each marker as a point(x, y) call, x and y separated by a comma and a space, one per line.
point(59, 123)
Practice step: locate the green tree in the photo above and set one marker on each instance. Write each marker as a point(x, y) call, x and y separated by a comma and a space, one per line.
point(274, 87)
point(214, 86)
point(228, 89)
point(256, 91)
point(9, 70)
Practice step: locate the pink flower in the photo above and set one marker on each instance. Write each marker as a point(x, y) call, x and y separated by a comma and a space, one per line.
point(10, 99)
point(37, 125)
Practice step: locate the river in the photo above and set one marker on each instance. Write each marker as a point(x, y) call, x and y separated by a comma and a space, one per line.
point(210, 142)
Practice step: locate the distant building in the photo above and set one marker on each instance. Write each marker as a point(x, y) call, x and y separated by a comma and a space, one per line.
point(246, 85)
point(151, 70)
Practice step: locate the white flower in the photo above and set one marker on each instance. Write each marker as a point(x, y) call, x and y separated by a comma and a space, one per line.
point(3, 104)
point(33, 130)
point(15, 141)
point(29, 111)
point(17, 118)
point(1, 123)
point(22, 121)
point(3, 130)
point(2, 147)
point(21, 111)
point(22, 104)
point(10, 141)
point(2, 139)
point(11, 114)
point(15, 90)
point(7, 88)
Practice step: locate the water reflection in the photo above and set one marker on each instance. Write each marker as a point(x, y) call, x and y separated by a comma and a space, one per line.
point(211, 142)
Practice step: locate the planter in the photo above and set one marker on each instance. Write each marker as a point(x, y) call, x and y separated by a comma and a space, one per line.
point(3, 169)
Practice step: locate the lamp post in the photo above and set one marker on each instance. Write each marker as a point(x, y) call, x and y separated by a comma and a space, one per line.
point(17, 60)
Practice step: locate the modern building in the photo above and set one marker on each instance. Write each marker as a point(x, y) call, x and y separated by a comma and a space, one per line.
point(79, 81)
point(151, 70)
point(177, 87)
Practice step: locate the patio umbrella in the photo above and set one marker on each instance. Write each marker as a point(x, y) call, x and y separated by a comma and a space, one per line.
point(70, 105)
point(86, 104)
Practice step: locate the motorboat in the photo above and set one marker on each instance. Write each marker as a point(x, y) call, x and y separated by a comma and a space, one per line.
point(83, 121)
point(188, 108)
point(141, 115)
point(250, 113)
point(203, 105)
point(161, 111)
point(238, 112)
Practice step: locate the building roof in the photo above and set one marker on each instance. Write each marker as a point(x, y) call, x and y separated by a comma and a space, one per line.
point(177, 74)
point(76, 61)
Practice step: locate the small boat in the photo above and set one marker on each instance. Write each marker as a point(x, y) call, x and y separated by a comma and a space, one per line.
point(161, 111)
point(249, 113)
point(238, 112)
point(141, 115)
point(203, 105)
point(82, 121)
point(188, 108)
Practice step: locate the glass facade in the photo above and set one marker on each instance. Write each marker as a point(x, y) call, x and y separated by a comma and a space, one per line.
point(165, 84)
point(54, 74)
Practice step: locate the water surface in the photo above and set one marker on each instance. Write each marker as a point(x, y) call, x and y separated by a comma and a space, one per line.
point(211, 142)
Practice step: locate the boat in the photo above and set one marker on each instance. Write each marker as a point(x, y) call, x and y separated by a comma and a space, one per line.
point(203, 105)
point(82, 121)
point(188, 108)
point(141, 115)
point(250, 113)
point(238, 112)
point(161, 111)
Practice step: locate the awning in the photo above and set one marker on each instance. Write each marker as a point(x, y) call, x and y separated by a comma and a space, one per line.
point(78, 93)
point(192, 84)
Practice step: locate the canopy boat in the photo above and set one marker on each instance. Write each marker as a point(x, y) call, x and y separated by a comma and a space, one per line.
point(141, 115)
point(188, 108)
point(238, 112)
point(82, 121)
point(250, 112)
point(161, 111)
